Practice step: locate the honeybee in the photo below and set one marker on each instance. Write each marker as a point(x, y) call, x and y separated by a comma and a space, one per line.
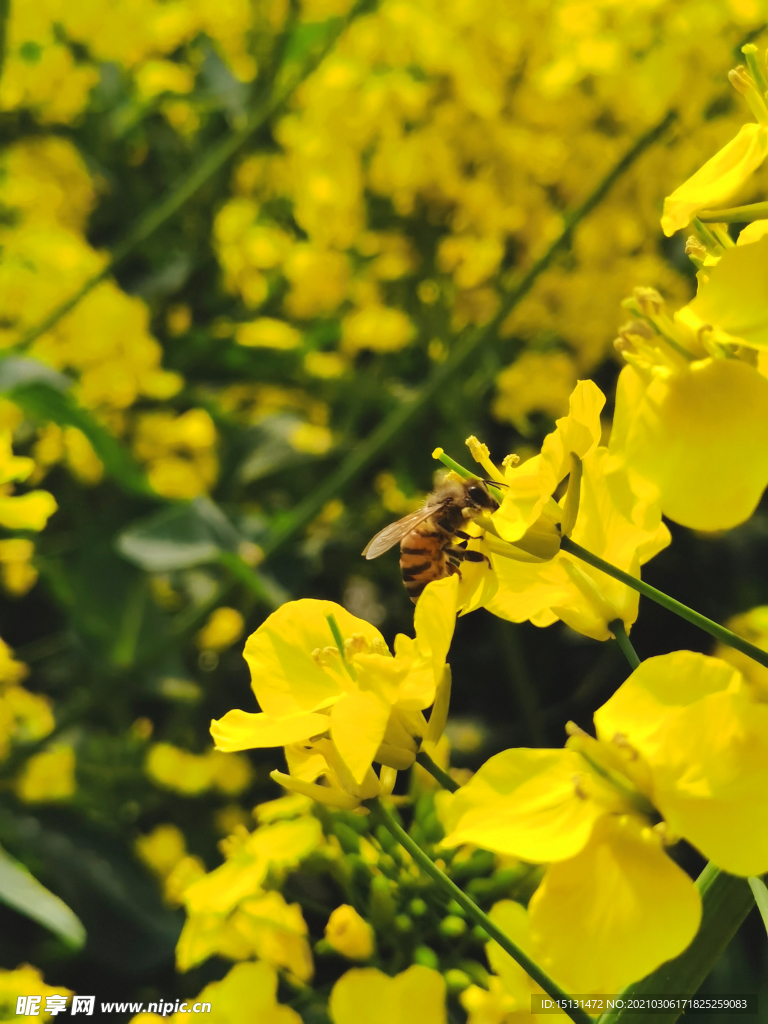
point(432, 545)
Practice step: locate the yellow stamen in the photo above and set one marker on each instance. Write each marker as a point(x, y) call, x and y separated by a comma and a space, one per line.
point(481, 454)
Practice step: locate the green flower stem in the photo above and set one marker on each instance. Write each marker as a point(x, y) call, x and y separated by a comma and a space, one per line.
point(719, 632)
point(726, 902)
point(452, 464)
point(478, 916)
point(211, 162)
point(620, 634)
point(759, 891)
point(437, 772)
point(735, 214)
point(466, 347)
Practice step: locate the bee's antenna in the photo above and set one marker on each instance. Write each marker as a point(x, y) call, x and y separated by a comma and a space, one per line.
point(495, 483)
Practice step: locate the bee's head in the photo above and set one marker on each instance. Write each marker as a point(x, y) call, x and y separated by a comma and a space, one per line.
point(478, 494)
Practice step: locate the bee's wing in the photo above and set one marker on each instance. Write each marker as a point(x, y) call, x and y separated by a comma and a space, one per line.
point(394, 533)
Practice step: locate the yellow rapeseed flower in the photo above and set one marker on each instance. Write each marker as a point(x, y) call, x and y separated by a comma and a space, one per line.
point(723, 174)
point(612, 524)
point(682, 738)
point(184, 772)
point(688, 424)
point(224, 627)
point(528, 488)
point(29, 511)
point(17, 572)
point(26, 981)
point(246, 994)
point(350, 934)
point(49, 775)
point(417, 996)
point(369, 702)
point(161, 849)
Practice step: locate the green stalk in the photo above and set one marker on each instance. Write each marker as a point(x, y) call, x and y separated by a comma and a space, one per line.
point(472, 910)
point(735, 214)
point(713, 628)
point(437, 772)
point(463, 349)
point(726, 902)
point(759, 891)
point(452, 464)
point(620, 635)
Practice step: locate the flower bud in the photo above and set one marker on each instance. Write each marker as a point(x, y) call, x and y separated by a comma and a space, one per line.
point(350, 934)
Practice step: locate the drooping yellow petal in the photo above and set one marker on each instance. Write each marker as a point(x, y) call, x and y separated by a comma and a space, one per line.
point(696, 442)
point(614, 912)
point(710, 774)
point(730, 301)
point(285, 677)
point(416, 996)
point(525, 803)
point(241, 730)
point(719, 179)
point(434, 620)
point(358, 723)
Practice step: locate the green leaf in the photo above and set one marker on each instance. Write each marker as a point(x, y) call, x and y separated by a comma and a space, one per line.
point(22, 891)
point(179, 537)
point(759, 891)
point(269, 449)
point(40, 400)
point(18, 370)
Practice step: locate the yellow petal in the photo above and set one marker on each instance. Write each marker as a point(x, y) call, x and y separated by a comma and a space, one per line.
point(247, 994)
point(710, 775)
point(205, 935)
point(512, 918)
point(240, 730)
point(27, 512)
point(612, 523)
point(434, 620)
point(527, 589)
point(613, 913)
point(731, 298)
point(656, 690)
point(720, 178)
point(350, 934)
point(752, 232)
point(417, 996)
point(525, 803)
point(276, 931)
point(696, 440)
point(285, 677)
point(358, 723)
point(531, 485)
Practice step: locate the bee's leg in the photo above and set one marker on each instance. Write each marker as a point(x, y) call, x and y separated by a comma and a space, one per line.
point(452, 565)
point(470, 556)
point(460, 533)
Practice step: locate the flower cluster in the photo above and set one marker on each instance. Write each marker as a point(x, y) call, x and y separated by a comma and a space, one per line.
point(185, 398)
point(679, 752)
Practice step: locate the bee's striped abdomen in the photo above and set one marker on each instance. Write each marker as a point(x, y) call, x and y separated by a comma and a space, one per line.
point(422, 558)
